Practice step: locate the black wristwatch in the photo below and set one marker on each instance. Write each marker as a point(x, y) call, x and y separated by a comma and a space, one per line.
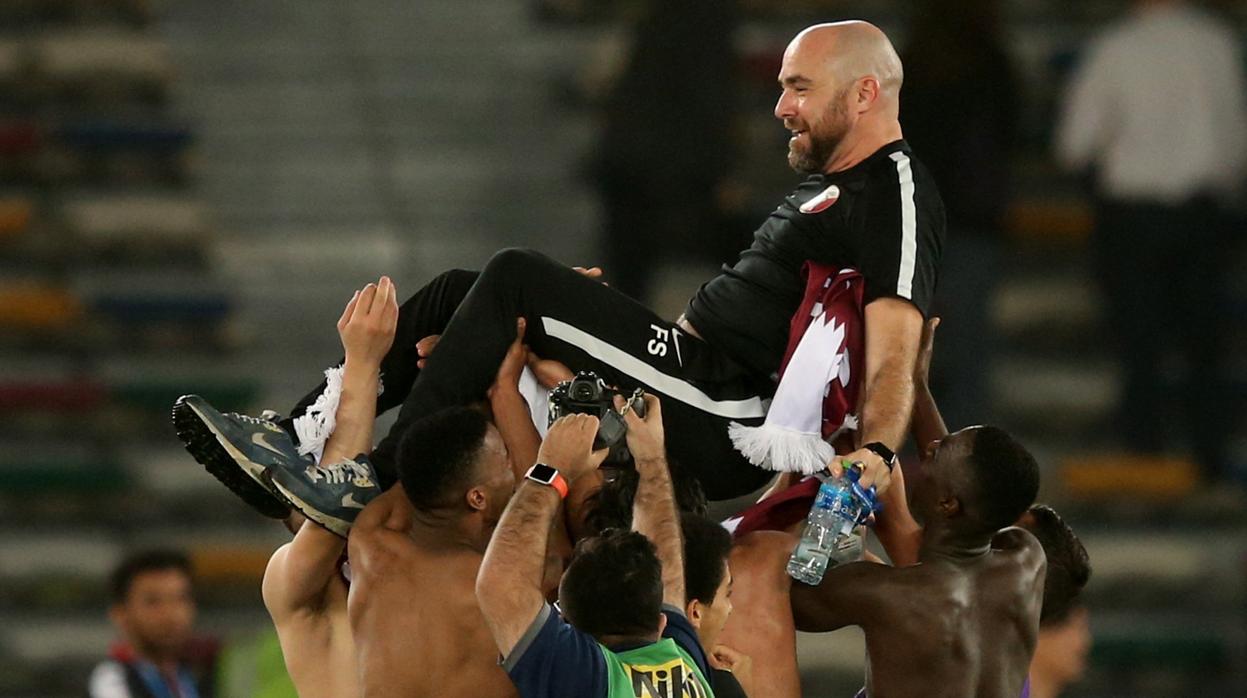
point(888, 456)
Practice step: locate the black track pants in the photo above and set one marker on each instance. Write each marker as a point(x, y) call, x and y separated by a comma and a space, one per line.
point(587, 326)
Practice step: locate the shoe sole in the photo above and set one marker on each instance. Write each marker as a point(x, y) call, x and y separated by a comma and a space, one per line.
point(333, 524)
point(222, 460)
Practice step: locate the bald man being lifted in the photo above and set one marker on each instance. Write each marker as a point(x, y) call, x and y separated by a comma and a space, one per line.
point(866, 203)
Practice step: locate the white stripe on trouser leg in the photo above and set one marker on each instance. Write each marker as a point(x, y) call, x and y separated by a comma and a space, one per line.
point(668, 385)
point(909, 227)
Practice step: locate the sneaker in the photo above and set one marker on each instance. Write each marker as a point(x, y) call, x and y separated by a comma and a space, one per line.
point(332, 495)
point(235, 449)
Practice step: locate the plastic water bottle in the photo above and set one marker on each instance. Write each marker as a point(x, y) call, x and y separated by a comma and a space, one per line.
point(831, 536)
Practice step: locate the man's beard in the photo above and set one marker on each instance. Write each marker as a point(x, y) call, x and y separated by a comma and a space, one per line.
point(824, 137)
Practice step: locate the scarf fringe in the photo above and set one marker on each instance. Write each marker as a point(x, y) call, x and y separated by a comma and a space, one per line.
point(316, 425)
point(783, 450)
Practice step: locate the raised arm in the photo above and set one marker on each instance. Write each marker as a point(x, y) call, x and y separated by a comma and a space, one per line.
point(508, 586)
point(300, 572)
point(848, 595)
point(893, 333)
point(510, 411)
point(654, 512)
point(927, 426)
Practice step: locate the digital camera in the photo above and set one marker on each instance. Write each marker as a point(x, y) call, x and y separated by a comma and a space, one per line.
point(589, 394)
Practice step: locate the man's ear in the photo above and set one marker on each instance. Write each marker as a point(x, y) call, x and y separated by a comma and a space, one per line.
point(866, 92)
point(476, 499)
point(694, 612)
point(949, 507)
point(662, 622)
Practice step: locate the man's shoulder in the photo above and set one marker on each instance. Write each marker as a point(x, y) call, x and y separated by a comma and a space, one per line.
point(434, 581)
point(1015, 540)
point(109, 680)
point(1018, 555)
point(385, 552)
point(897, 166)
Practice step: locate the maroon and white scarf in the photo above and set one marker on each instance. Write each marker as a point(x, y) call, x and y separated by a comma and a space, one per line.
point(819, 380)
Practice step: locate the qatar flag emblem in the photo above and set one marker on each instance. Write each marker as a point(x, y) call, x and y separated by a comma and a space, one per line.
point(822, 201)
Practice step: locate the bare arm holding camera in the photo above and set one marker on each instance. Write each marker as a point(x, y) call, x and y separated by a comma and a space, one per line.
point(654, 512)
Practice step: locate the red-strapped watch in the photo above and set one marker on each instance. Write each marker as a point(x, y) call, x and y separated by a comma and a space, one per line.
point(546, 475)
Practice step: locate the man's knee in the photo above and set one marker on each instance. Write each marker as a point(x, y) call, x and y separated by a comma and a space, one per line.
point(516, 263)
point(456, 280)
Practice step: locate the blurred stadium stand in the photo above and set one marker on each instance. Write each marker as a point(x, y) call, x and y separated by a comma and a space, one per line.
point(190, 189)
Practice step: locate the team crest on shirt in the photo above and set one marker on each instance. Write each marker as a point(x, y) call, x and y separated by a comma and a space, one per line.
point(673, 679)
point(822, 201)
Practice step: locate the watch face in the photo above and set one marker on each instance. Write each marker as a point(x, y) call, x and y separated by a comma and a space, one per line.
point(542, 473)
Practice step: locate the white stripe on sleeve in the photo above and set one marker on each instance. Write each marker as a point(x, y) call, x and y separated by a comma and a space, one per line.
point(668, 385)
point(909, 227)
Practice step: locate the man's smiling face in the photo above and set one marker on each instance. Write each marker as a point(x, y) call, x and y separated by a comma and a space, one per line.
point(813, 105)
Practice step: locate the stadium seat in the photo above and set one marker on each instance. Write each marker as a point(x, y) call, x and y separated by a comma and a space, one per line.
point(231, 565)
point(169, 473)
point(84, 58)
point(103, 136)
point(1127, 476)
point(60, 641)
point(15, 216)
point(1190, 650)
point(41, 475)
point(119, 219)
point(87, 554)
point(19, 138)
point(60, 396)
point(148, 308)
point(12, 61)
point(159, 393)
point(37, 307)
point(1050, 221)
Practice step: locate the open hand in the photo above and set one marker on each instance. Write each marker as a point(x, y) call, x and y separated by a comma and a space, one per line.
point(368, 323)
point(568, 446)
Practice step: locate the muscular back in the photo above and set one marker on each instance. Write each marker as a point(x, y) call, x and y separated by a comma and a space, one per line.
point(964, 628)
point(417, 626)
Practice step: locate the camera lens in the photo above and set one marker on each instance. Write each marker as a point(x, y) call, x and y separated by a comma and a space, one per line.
point(582, 390)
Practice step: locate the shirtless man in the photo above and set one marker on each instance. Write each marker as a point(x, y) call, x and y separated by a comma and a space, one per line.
point(964, 620)
point(303, 589)
point(770, 607)
point(415, 552)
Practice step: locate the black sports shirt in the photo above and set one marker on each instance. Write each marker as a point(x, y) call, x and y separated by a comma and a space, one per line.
point(883, 217)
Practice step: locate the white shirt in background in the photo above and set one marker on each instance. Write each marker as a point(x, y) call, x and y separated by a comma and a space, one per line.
point(1159, 105)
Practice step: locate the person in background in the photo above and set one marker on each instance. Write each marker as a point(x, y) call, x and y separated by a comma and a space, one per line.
point(959, 108)
point(1064, 631)
point(666, 143)
point(708, 602)
point(1156, 115)
point(153, 608)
